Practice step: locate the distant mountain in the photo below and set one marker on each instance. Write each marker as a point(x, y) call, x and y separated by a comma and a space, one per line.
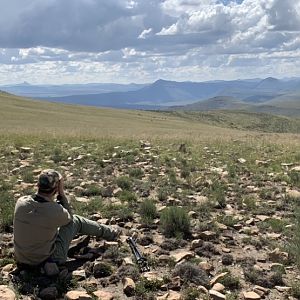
point(41, 91)
point(209, 95)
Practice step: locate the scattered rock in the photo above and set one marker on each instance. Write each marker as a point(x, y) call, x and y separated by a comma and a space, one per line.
point(217, 277)
point(218, 287)
point(278, 256)
point(181, 255)
point(251, 296)
point(128, 286)
point(216, 295)
point(171, 295)
point(104, 295)
point(78, 295)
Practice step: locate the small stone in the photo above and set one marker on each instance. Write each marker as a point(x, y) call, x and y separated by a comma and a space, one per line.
point(241, 160)
point(216, 295)
point(217, 277)
point(103, 295)
point(251, 296)
point(79, 274)
point(78, 295)
point(207, 235)
point(206, 266)
point(196, 244)
point(128, 286)
point(128, 261)
point(25, 149)
point(181, 255)
point(6, 293)
point(260, 290)
point(171, 295)
point(218, 287)
point(278, 256)
point(283, 289)
point(49, 293)
point(152, 276)
point(293, 194)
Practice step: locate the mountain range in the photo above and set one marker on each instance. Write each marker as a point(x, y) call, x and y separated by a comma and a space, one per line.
point(269, 95)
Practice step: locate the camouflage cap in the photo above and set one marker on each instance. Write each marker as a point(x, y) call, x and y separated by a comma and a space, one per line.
point(48, 179)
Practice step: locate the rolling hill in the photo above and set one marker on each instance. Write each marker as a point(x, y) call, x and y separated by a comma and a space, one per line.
point(25, 116)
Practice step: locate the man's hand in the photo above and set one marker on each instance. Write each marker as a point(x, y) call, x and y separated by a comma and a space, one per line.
point(60, 188)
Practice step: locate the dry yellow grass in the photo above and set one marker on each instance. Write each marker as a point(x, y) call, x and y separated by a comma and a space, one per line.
point(29, 117)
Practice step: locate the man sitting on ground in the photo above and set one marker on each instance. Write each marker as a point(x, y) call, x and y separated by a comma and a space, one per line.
point(44, 225)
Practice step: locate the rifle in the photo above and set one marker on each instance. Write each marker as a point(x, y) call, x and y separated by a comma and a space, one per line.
point(140, 259)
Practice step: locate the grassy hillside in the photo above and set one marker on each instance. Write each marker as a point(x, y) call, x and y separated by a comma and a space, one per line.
point(291, 101)
point(226, 200)
point(28, 117)
point(243, 120)
point(216, 103)
point(23, 116)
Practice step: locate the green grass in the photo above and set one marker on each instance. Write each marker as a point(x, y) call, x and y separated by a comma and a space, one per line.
point(175, 222)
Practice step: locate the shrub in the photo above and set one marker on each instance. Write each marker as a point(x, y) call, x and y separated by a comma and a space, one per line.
point(296, 290)
point(231, 282)
point(175, 222)
point(294, 247)
point(124, 182)
point(7, 205)
point(127, 196)
point(27, 176)
point(136, 172)
point(162, 194)
point(92, 190)
point(148, 211)
point(295, 178)
point(190, 273)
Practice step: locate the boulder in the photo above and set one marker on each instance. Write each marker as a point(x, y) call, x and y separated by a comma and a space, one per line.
point(7, 293)
point(78, 295)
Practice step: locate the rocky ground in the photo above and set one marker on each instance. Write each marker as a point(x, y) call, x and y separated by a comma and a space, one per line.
point(214, 221)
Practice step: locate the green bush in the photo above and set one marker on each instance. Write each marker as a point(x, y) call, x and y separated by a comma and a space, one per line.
point(7, 206)
point(127, 196)
point(124, 182)
point(175, 222)
point(162, 194)
point(294, 246)
point(136, 172)
point(92, 190)
point(148, 211)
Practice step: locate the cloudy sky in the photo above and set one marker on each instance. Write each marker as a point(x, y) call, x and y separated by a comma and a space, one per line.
point(78, 41)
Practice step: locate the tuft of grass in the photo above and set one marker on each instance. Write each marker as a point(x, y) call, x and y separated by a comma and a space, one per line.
point(175, 222)
point(124, 182)
point(148, 211)
point(136, 173)
point(127, 196)
point(92, 190)
point(7, 206)
point(294, 247)
point(190, 273)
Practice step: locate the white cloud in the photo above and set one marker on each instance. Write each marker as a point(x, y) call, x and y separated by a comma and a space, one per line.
point(187, 39)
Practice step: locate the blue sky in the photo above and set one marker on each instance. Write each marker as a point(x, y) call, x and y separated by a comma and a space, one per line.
point(126, 41)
